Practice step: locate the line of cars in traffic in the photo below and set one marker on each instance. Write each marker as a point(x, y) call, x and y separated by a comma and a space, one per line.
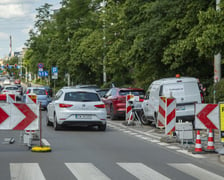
point(93, 112)
point(9, 85)
point(88, 105)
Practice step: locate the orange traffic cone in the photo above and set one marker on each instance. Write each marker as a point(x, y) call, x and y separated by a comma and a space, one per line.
point(198, 148)
point(210, 146)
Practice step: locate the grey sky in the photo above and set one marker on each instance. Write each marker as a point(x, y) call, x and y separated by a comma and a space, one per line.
point(16, 19)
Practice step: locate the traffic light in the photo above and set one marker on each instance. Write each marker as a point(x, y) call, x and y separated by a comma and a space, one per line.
point(15, 66)
point(7, 66)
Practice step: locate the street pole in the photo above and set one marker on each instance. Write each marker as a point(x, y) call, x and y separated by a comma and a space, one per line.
point(104, 45)
point(217, 63)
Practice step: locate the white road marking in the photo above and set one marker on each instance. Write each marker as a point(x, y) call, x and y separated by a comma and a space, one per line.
point(163, 144)
point(155, 141)
point(190, 154)
point(196, 171)
point(26, 171)
point(142, 172)
point(173, 147)
point(84, 171)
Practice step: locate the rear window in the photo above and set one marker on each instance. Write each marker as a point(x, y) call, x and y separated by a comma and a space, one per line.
point(134, 92)
point(39, 91)
point(81, 96)
point(11, 88)
point(179, 89)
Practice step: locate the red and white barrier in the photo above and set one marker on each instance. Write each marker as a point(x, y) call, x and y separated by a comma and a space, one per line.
point(31, 99)
point(10, 98)
point(161, 113)
point(170, 115)
point(129, 115)
point(167, 114)
point(19, 116)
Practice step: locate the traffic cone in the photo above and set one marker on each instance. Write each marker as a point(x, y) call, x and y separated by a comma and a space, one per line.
point(198, 147)
point(210, 147)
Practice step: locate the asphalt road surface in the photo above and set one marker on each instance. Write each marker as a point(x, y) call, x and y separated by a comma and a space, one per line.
point(119, 153)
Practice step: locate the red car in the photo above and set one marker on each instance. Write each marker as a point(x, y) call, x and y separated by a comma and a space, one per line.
point(115, 100)
point(17, 81)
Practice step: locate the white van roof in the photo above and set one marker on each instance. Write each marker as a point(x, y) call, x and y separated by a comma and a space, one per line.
point(175, 80)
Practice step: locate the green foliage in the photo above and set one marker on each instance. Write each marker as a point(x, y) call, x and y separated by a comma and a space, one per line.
point(137, 41)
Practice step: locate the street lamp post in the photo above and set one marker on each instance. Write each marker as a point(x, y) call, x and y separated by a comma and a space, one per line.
point(104, 45)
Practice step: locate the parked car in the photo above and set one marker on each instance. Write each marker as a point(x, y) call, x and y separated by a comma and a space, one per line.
point(49, 90)
point(12, 89)
point(77, 107)
point(87, 86)
point(6, 82)
point(115, 100)
point(20, 88)
point(17, 81)
point(42, 95)
point(184, 89)
point(102, 92)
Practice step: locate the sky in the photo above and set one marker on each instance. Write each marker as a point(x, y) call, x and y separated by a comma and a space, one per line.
point(17, 17)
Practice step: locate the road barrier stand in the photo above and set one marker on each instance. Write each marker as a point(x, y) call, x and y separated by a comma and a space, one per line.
point(133, 106)
point(129, 115)
point(41, 147)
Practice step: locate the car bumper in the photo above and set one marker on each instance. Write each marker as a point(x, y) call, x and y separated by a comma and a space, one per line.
point(83, 123)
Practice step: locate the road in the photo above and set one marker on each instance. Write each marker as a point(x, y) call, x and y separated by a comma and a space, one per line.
point(118, 153)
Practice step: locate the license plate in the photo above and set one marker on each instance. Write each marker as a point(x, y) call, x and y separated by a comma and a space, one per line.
point(83, 116)
point(180, 108)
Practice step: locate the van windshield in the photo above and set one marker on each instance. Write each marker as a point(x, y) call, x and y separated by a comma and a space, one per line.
point(179, 89)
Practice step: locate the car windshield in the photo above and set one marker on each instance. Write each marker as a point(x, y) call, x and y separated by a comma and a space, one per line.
point(39, 91)
point(81, 96)
point(11, 88)
point(134, 92)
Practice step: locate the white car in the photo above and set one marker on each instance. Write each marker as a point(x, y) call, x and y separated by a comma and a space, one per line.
point(6, 82)
point(12, 89)
point(77, 107)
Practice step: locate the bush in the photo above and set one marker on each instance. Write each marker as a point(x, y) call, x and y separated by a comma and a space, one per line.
point(218, 89)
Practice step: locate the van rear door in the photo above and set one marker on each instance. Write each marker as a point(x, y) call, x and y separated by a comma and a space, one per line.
point(186, 95)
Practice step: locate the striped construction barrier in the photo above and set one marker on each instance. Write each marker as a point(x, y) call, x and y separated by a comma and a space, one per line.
point(10, 98)
point(129, 115)
point(161, 113)
point(167, 114)
point(31, 98)
point(170, 115)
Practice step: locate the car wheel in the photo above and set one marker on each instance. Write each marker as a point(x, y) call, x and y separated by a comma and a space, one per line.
point(102, 127)
point(112, 115)
point(143, 119)
point(55, 124)
point(48, 123)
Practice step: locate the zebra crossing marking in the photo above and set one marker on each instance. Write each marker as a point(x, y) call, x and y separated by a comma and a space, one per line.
point(83, 171)
point(142, 171)
point(196, 171)
point(26, 171)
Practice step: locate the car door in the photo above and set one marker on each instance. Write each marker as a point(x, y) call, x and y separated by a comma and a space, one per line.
point(107, 100)
point(51, 105)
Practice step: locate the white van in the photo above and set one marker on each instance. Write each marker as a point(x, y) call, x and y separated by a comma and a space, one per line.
point(184, 89)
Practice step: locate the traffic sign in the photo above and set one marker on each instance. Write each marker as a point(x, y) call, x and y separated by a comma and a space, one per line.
point(19, 116)
point(40, 65)
point(54, 71)
point(221, 115)
point(42, 73)
point(206, 116)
